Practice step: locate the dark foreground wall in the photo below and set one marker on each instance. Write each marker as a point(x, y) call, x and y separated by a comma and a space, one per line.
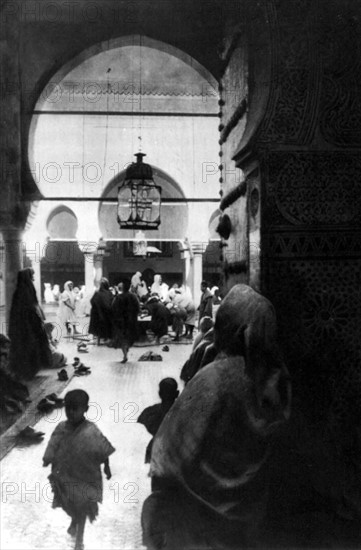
point(301, 152)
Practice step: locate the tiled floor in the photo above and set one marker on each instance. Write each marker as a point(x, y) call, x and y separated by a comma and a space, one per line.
point(118, 393)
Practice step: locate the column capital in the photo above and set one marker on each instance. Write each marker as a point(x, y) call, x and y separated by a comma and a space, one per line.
point(88, 247)
point(198, 247)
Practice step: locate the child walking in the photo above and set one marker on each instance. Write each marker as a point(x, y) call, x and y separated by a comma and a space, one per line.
point(75, 451)
point(152, 416)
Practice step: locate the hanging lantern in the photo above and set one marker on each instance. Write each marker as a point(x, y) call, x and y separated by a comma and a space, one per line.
point(139, 198)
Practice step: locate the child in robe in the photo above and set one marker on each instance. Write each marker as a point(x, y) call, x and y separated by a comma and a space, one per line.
point(76, 450)
point(152, 416)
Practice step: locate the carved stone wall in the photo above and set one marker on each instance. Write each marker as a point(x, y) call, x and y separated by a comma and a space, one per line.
point(295, 81)
point(312, 188)
point(309, 147)
point(340, 56)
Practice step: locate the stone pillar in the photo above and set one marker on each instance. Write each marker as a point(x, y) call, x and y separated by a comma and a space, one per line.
point(89, 272)
point(36, 266)
point(187, 272)
point(197, 270)
point(11, 263)
point(98, 267)
point(10, 156)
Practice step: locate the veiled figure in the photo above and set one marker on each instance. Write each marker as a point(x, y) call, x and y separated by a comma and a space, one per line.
point(30, 350)
point(125, 309)
point(100, 315)
point(209, 459)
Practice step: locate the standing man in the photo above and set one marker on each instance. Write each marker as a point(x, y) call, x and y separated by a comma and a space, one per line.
point(125, 309)
point(205, 306)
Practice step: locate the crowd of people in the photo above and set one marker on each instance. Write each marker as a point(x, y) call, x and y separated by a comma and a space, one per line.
point(114, 319)
point(210, 444)
point(209, 455)
point(114, 311)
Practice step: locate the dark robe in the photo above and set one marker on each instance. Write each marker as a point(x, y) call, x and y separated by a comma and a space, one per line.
point(210, 456)
point(159, 322)
point(125, 309)
point(206, 305)
point(100, 316)
point(151, 418)
point(196, 359)
point(30, 350)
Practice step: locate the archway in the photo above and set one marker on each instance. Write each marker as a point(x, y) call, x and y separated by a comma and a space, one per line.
point(162, 253)
point(62, 259)
point(85, 130)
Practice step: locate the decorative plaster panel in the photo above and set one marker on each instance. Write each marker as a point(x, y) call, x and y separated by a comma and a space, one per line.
point(313, 188)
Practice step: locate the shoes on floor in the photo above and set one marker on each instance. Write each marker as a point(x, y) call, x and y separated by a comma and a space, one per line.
point(81, 370)
point(55, 399)
point(165, 348)
point(30, 433)
point(82, 348)
point(63, 375)
point(45, 405)
point(150, 356)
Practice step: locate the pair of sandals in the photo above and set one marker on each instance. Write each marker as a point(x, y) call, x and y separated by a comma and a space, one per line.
point(49, 403)
point(79, 368)
point(29, 434)
point(82, 348)
point(150, 356)
point(63, 375)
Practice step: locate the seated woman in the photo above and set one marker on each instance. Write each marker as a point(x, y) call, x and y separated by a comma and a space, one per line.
point(209, 458)
point(29, 347)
